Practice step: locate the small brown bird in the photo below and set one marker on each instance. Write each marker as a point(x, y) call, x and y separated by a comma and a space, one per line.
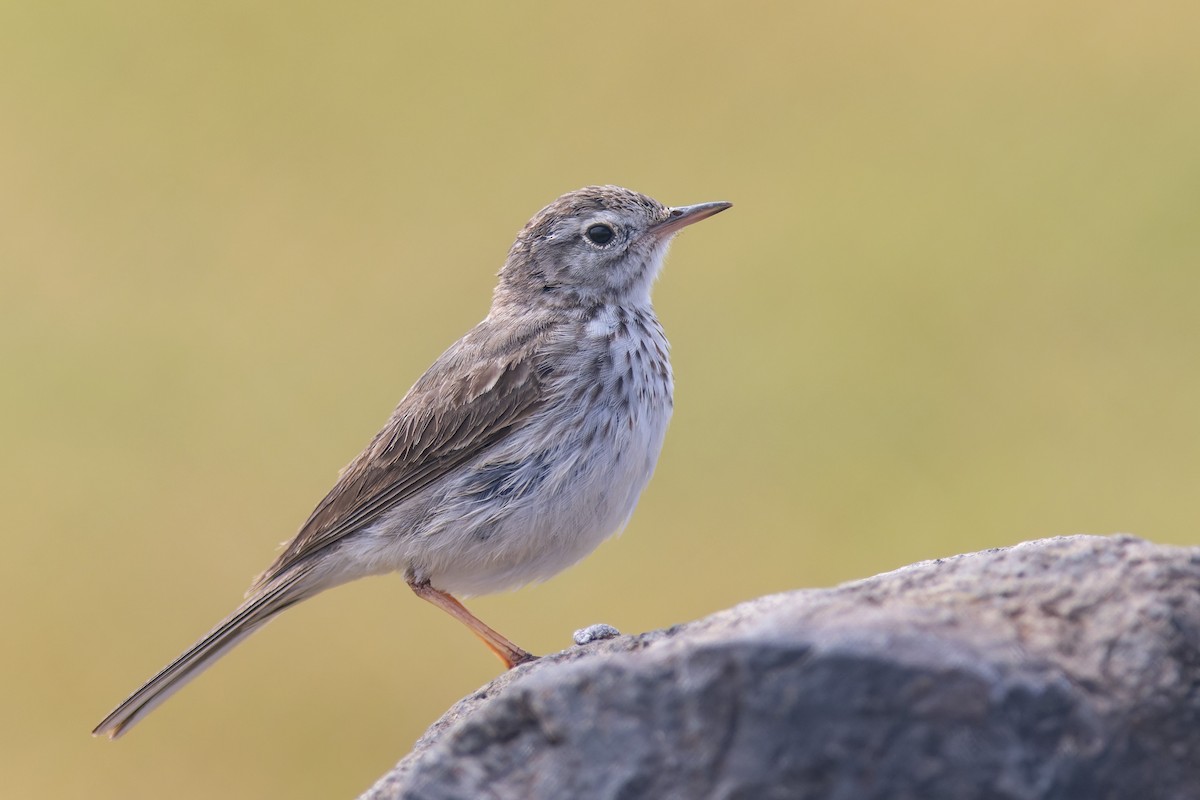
point(524, 446)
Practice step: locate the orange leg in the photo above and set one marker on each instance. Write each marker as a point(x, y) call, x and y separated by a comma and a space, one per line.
point(505, 650)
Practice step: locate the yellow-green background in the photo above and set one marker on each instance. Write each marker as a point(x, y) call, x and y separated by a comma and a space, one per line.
point(954, 307)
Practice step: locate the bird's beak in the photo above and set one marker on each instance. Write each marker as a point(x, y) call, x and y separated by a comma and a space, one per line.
point(682, 216)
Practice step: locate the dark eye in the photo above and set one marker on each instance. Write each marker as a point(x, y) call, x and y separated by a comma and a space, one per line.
point(599, 234)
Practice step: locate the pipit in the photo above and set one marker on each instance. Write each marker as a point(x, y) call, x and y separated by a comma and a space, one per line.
point(524, 446)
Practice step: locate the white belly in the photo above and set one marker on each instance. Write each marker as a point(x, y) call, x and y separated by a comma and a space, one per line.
point(552, 492)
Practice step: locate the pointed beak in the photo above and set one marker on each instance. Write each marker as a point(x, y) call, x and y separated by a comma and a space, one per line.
point(682, 216)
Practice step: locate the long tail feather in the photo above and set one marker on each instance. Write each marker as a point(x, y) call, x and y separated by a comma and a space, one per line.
point(249, 617)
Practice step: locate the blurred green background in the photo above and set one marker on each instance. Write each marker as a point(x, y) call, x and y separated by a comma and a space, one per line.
point(954, 307)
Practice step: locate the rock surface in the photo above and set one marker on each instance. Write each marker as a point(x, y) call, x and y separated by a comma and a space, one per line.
point(1061, 668)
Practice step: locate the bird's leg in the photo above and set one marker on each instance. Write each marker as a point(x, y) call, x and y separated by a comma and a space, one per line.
point(505, 650)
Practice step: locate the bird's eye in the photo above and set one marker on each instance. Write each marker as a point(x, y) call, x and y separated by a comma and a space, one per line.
point(599, 234)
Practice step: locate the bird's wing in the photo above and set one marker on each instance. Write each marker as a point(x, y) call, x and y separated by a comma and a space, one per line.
point(464, 404)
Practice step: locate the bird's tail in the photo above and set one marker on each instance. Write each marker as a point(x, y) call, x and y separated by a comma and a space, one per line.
point(256, 611)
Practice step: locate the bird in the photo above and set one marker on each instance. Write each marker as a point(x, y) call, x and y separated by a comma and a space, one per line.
point(525, 445)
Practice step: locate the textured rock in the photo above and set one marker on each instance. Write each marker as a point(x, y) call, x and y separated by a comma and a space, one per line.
point(1061, 668)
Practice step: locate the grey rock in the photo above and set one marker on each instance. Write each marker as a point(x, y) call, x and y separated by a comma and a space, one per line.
point(1061, 668)
point(594, 633)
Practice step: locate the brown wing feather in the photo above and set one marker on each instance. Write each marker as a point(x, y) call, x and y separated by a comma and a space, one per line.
point(466, 402)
